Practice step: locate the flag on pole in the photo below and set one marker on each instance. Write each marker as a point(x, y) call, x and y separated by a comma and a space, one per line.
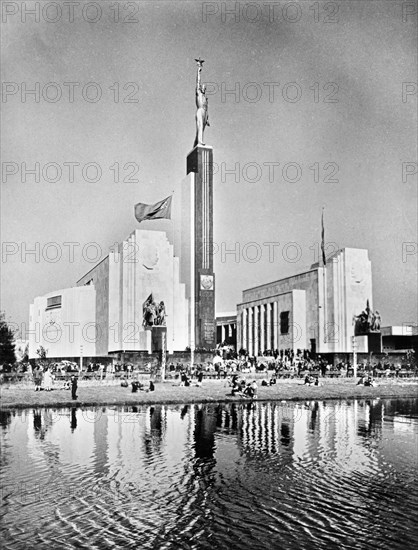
point(324, 260)
point(155, 211)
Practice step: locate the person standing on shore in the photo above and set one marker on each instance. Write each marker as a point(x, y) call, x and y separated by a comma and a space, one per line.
point(74, 384)
point(37, 378)
point(47, 380)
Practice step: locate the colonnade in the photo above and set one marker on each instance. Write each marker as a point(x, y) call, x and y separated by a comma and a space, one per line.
point(227, 330)
point(260, 328)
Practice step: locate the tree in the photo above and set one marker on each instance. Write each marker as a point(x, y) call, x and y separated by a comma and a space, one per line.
point(7, 345)
point(25, 357)
point(41, 352)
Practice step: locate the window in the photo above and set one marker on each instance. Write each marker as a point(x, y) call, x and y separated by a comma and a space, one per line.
point(53, 302)
point(284, 322)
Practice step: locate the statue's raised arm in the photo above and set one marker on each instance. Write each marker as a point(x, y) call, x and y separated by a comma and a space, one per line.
point(198, 79)
point(202, 117)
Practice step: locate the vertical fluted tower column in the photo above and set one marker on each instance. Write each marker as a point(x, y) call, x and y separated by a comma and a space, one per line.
point(200, 163)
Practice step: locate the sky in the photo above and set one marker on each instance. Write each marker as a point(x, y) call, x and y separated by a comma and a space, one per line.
point(323, 115)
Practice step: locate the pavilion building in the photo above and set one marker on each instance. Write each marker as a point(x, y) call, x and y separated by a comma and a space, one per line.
point(313, 310)
point(103, 316)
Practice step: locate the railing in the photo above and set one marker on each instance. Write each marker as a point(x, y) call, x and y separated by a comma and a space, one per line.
point(27, 378)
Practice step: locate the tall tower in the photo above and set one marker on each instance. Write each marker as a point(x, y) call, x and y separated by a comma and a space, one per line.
point(200, 168)
point(193, 230)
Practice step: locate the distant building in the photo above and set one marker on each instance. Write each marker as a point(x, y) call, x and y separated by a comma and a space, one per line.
point(226, 329)
point(313, 310)
point(403, 337)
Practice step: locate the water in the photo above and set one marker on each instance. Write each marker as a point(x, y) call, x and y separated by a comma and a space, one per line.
point(234, 476)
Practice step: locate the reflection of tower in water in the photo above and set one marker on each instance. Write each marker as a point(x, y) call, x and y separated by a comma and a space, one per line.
point(101, 441)
point(206, 421)
point(195, 507)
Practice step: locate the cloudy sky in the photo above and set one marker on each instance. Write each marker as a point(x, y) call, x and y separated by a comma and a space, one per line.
point(323, 114)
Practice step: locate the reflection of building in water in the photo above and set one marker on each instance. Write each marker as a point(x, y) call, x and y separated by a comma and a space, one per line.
point(227, 417)
point(262, 427)
point(335, 435)
point(309, 429)
point(110, 443)
point(400, 425)
point(371, 420)
point(155, 429)
point(71, 445)
point(16, 452)
point(101, 439)
point(301, 432)
point(156, 421)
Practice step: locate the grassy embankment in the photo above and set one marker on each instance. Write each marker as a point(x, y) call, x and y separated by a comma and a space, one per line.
point(170, 392)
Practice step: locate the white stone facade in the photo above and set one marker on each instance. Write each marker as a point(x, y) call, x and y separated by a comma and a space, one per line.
point(312, 310)
point(143, 264)
point(63, 322)
point(106, 307)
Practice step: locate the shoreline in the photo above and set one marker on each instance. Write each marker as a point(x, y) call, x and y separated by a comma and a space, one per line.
point(214, 391)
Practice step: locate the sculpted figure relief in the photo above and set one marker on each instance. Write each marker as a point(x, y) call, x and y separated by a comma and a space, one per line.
point(376, 321)
point(160, 314)
point(153, 314)
point(367, 321)
point(202, 117)
point(149, 312)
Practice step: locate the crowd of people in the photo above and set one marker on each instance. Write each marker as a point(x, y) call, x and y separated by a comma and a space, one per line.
point(139, 386)
point(226, 364)
point(282, 365)
point(243, 388)
point(290, 363)
point(311, 380)
point(366, 380)
point(44, 379)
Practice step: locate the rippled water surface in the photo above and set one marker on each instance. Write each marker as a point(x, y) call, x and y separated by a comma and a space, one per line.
point(266, 475)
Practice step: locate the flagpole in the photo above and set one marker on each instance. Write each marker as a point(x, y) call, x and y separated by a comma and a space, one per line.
point(324, 276)
point(174, 289)
point(324, 261)
point(192, 266)
point(163, 355)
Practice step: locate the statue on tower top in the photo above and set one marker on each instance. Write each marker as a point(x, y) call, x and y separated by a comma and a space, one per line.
point(202, 117)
